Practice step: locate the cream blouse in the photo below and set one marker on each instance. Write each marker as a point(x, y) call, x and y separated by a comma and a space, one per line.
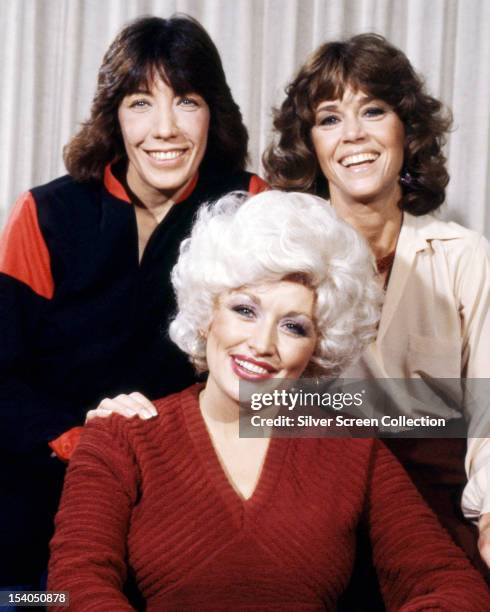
point(435, 323)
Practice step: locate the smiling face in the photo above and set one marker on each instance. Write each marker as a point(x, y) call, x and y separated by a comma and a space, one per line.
point(359, 144)
point(259, 332)
point(165, 137)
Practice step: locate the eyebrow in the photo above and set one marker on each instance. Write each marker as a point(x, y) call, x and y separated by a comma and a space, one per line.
point(139, 91)
point(334, 105)
point(253, 298)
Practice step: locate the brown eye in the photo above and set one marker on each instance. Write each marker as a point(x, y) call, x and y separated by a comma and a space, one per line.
point(139, 103)
point(189, 102)
point(328, 120)
point(374, 111)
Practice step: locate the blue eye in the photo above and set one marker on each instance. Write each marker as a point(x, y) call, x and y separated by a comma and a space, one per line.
point(244, 310)
point(295, 328)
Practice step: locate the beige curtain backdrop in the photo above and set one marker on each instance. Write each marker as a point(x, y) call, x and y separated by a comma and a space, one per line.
point(50, 51)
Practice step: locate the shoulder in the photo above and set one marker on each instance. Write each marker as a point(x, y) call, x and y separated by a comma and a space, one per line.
point(447, 237)
point(65, 201)
point(106, 458)
point(133, 443)
point(27, 205)
point(183, 400)
point(237, 181)
point(41, 206)
point(127, 431)
point(64, 186)
point(431, 228)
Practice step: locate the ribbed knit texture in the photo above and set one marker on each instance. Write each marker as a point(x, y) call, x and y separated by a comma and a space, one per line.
point(153, 495)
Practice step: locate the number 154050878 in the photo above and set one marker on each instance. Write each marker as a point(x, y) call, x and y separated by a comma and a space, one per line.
point(34, 598)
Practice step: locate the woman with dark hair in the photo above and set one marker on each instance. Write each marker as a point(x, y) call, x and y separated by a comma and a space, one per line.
point(85, 262)
point(358, 127)
point(208, 520)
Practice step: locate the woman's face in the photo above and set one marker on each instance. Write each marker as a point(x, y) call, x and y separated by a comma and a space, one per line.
point(260, 332)
point(165, 137)
point(359, 144)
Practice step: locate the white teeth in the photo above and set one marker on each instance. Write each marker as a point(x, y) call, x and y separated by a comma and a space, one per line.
point(251, 367)
point(163, 155)
point(359, 158)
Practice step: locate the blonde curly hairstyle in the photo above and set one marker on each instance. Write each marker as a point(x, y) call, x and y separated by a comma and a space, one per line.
point(241, 241)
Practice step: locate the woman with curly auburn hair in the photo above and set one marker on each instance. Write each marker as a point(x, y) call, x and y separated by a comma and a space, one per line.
point(267, 288)
point(85, 262)
point(366, 63)
point(358, 127)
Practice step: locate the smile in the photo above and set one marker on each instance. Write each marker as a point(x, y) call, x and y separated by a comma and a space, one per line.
point(246, 368)
point(166, 155)
point(359, 158)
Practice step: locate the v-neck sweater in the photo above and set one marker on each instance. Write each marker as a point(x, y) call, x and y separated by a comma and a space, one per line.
point(151, 497)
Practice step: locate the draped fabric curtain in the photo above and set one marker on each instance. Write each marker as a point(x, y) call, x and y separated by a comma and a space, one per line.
point(50, 51)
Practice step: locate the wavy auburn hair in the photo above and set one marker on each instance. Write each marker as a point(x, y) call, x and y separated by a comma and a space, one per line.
point(181, 53)
point(367, 63)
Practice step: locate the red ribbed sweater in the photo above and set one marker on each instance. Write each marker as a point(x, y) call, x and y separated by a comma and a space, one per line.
point(152, 495)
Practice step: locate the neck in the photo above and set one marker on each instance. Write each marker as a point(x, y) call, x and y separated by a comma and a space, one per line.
point(155, 201)
point(218, 409)
point(379, 221)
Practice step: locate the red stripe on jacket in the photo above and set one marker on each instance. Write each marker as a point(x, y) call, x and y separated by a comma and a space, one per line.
point(23, 252)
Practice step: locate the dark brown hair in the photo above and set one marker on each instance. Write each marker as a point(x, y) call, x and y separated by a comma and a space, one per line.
point(181, 52)
point(368, 63)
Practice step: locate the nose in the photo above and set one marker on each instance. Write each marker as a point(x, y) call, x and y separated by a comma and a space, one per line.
point(262, 340)
point(353, 128)
point(164, 123)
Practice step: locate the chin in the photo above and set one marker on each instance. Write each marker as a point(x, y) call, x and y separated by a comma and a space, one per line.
point(170, 185)
point(365, 196)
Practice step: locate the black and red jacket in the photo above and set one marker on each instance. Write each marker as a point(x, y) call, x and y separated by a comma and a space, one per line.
point(81, 318)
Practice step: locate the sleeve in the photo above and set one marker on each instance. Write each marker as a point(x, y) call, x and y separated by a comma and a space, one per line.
point(29, 418)
point(88, 550)
point(418, 566)
point(473, 290)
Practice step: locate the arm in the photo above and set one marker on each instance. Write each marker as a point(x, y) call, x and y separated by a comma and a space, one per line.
point(418, 566)
point(473, 291)
point(88, 550)
point(29, 418)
